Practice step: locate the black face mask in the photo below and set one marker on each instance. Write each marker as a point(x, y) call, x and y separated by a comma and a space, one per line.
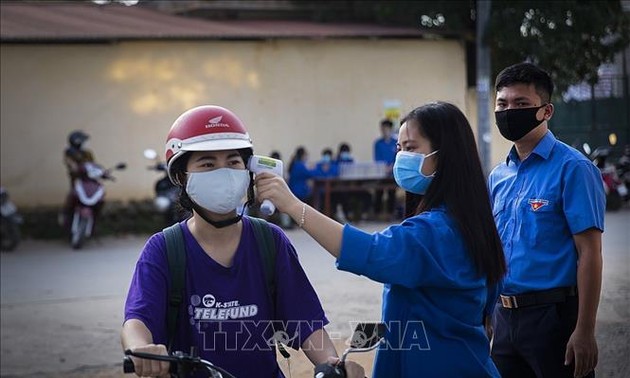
point(516, 123)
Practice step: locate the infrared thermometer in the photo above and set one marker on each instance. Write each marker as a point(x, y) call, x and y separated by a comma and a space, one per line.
point(258, 164)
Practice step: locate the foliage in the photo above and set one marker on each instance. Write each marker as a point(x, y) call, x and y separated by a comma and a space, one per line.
point(569, 38)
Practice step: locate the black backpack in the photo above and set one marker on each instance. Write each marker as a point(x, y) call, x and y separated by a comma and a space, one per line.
point(176, 253)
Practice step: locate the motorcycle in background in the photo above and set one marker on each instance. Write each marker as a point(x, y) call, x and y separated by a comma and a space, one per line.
point(89, 192)
point(10, 222)
point(615, 189)
point(166, 193)
point(623, 169)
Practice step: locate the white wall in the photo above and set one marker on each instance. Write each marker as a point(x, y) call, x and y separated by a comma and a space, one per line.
point(315, 93)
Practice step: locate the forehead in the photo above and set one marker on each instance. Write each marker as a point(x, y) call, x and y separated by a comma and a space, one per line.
point(409, 131)
point(518, 91)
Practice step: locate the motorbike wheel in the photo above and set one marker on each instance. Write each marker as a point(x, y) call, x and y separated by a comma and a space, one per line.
point(77, 236)
point(9, 234)
point(613, 201)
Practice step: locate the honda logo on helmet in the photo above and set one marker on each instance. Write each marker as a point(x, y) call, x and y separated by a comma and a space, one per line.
point(216, 122)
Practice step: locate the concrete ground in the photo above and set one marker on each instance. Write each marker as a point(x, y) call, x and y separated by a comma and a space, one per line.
point(61, 310)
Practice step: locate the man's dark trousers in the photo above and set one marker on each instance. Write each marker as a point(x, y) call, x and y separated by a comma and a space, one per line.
point(531, 341)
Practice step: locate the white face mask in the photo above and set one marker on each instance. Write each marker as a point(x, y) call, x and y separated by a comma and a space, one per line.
point(220, 191)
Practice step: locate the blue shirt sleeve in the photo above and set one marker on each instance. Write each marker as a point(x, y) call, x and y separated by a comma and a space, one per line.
point(301, 171)
point(418, 252)
point(380, 151)
point(584, 200)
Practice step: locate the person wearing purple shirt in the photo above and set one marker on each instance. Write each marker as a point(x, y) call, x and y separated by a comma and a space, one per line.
point(227, 314)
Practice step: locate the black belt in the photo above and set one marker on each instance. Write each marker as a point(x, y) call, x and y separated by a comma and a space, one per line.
point(533, 298)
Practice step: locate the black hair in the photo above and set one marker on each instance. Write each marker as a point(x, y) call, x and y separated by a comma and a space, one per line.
point(387, 122)
point(344, 147)
point(526, 73)
point(459, 184)
point(298, 155)
point(327, 151)
point(178, 171)
point(275, 154)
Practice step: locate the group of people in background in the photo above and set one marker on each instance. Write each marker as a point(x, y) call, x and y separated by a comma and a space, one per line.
point(359, 204)
point(482, 278)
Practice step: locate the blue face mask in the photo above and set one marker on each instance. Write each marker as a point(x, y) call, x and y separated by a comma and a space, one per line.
point(326, 158)
point(408, 172)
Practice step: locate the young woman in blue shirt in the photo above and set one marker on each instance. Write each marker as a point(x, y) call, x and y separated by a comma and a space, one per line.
point(440, 267)
point(300, 175)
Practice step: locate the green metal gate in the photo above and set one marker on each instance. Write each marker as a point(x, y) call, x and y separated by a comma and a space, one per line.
point(598, 115)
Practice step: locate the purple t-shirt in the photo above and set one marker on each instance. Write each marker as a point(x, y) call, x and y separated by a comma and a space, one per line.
point(228, 316)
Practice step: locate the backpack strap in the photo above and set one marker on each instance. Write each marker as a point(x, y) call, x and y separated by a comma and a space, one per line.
point(176, 254)
point(267, 249)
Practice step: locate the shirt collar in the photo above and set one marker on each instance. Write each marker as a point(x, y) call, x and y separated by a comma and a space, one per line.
point(542, 149)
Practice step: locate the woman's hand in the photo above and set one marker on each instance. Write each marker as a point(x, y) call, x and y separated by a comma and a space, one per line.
point(353, 370)
point(275, 189)
point(150, 368)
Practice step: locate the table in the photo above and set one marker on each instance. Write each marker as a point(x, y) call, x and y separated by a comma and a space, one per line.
point(347, 185)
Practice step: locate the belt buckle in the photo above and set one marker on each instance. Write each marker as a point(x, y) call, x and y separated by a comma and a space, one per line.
point(508, 301)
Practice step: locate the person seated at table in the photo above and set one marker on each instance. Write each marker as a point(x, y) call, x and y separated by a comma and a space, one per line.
point(326, 167)
point(344, 154)
point(300, 175)
point(355, 205)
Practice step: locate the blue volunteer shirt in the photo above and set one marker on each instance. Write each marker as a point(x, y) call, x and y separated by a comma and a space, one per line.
point(299, 177)
point(385, 150)
point(434, 300)
point(538, 205)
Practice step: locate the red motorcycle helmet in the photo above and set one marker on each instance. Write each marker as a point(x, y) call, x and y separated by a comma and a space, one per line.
point(204, 128)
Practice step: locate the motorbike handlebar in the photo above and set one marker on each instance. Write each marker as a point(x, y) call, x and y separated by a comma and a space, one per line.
point(181, 364)
point(129, 367)
point(327, 370)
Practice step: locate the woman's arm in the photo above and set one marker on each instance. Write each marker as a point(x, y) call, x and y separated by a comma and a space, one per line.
point(326, 231)
point(137, 337)
point(582, 346)
point(318, 347)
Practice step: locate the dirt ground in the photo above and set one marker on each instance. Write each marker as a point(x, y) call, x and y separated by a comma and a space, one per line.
point(86, 350)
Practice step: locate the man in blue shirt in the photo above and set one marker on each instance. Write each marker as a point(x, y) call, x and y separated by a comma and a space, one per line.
point(385, 151)
point(548, 204)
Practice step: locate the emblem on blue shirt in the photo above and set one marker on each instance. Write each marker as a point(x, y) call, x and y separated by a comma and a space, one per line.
point(537, 203)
